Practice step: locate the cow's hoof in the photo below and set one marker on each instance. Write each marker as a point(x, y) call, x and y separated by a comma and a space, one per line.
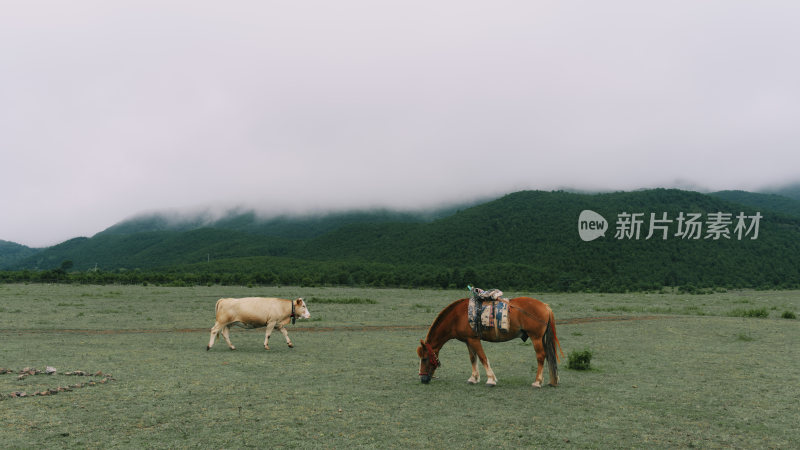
point(291, 346)
point(233, 348)
point(490, 384)
point(208, 348)
point(266, 347)
point(536, 384)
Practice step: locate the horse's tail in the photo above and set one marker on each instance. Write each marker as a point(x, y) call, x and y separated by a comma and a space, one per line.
point(552, 320)
point(549, 342)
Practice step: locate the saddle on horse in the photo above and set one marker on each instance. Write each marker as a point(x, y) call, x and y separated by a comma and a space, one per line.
point(487, 310)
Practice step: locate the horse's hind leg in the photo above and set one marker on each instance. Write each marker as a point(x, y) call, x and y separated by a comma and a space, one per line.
point(473, 359)
point(475, 345)
point(538, 346)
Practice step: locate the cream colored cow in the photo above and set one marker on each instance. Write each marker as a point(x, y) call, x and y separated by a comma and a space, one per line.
point(256, 312)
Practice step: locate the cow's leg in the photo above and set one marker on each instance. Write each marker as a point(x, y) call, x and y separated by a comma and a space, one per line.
point(214, 333)
point(285, 335)
point(270, 326)
point(226, 330)
point(473, 359)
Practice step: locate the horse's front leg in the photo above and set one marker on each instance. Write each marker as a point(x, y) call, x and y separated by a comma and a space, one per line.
point(473, 359)
point(538, 346)
point(475, 345)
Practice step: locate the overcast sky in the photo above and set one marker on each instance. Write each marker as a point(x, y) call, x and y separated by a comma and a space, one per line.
point(113, 108)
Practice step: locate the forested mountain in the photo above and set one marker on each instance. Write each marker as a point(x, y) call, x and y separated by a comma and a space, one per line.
point(792, 191)
point(11, 253)
point(165, 240)
point(284, 226)
point(529, 239)
point(770, 202)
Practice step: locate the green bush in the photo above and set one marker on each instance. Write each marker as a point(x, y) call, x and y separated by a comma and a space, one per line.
point(788, 315)
point(757, 312)
point(580, 360)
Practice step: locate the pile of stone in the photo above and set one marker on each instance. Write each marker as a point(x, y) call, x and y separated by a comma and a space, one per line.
point(28, 371)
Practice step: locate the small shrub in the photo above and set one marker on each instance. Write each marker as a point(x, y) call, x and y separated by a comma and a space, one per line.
point(744, 337)
point(579, 360)
point(788, 315)
point(757, 312)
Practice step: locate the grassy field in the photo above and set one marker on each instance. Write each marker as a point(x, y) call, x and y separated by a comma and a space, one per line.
point(669, 370)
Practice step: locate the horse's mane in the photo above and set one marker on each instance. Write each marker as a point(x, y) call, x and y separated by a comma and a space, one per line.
point(441, 316)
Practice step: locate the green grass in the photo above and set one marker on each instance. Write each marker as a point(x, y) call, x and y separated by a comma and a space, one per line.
point(342, 301)
point(351, 380)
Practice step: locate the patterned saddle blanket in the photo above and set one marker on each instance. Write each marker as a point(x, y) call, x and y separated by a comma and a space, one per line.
point(487, 310)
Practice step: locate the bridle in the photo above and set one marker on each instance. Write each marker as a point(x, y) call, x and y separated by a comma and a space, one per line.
point(433, 360)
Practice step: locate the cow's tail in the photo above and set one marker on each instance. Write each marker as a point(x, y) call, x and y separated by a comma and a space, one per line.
point(216, 308)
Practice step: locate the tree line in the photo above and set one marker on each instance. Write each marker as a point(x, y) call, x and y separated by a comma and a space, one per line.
point(508, 276)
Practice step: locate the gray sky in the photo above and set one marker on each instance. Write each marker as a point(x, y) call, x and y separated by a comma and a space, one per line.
point(112, 108)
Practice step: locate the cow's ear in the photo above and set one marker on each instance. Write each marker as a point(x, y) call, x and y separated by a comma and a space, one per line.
point(299, 301)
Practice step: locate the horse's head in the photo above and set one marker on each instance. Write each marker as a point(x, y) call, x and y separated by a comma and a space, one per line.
point(428, 361)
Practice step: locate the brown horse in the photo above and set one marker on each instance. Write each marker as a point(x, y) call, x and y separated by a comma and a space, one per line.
point(528, 317)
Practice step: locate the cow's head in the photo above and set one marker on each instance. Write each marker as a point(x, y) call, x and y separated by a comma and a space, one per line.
point(300, 309)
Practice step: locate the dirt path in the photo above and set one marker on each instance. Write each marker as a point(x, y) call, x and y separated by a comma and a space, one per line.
point(575, 321)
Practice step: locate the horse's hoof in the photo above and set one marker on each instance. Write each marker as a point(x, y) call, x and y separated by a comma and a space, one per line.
point(536, 384)
point(490, 384)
